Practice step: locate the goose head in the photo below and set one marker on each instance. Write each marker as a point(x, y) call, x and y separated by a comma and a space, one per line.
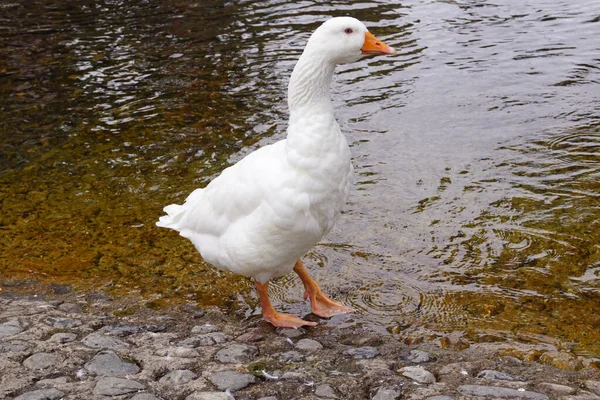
point(343, 40)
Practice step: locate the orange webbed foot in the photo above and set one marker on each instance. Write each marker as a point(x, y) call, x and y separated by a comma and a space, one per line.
point(325, 307)
point(281, 320)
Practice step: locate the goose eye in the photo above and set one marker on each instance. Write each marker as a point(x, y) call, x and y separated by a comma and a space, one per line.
point(348, 30)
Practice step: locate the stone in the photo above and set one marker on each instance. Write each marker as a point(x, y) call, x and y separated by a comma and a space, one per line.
point(107, 363)
point(291, 357)
point(387, 394)
point(14, 346)
point(63, 337)
point(208, 339)
point(63, 323)
point(250, 337)
point(268, 398)
point(145, 396)
point(237, 353)
point(325, 391)
point(70, 308)
point(364, 352)
point(499, 392)
point(231, 380)
point(490, 374)
point(52, 382)
point(9, 328)
point(419, 357)
point(183, 352)
point(309, 344)
point(418, 374)
point(208, 396)
point(593, 386)
point(43, 361)
point(192, 310)
point(291, 333)
point(561, 360)
point(42, 394)
point(556, 388)
point(442, 397)
point(123, 330)
point(202, 329)
point(111, 386)
point(178, 377)
point(292, 376)
point(100, 341)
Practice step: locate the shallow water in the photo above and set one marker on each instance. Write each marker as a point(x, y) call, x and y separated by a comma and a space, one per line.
point(476, 148)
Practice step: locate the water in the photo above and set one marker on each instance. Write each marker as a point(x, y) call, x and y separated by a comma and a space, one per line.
point(476, 150)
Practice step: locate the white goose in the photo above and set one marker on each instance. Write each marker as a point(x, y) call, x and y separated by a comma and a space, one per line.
point(265, 212)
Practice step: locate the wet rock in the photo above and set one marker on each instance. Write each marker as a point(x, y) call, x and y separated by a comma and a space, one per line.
point(202, 329)
point(208, 396)
point(268, 398)
point(440, 398)
point(499, 392)
point(231, 380)
point(124, 330)
point(454, 342)
point(208, 339)
point(178, 377)
point(291, 333)
point(42, 394)
point(293, 376)
point(111, 386)
point(417, 374)
point(43, 361)
point(365, 352)
point(9, 328)
point(309, 344)
point(107, 363)
point(63, 323)
point(250, 337)
point(100, 341)
point(593, 386)
point(65, 337)
point(495, 375)
point(14, 346)
point(291, 357)
point(387, 394)
point(419, 357)
point(237, 353)
point(556, 389)
point(145, 396)
point(183, 352)
point(561, 360)
point(325, 391)
point(70, 308)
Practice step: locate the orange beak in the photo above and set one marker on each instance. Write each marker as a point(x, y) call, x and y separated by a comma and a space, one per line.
point(374, 46)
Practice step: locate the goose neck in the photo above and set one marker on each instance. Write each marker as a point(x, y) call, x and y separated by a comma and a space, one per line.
point(309, 84)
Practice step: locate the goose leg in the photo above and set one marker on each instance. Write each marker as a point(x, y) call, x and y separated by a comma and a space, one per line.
point(320, 304)
point(277, 319)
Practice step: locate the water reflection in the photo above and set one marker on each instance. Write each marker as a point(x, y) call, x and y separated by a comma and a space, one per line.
point(475, 148)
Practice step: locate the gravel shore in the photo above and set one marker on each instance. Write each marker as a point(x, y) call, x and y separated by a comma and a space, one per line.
point(83, 347)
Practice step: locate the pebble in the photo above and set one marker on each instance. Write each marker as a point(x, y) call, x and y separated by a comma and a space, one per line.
point(208, 339)
point(10, 328)
point(183, 352)
point(53, 381)
point(419, 357)
point(325, 391)
point(291, 333)
point(268, 398)
point(100, 341)
point(145, 396)
point(111, 386)
point(499, 392)
point(63, 322)
point(556, 389)
point(593, 386)
point(108, 363)
point(291, 357)
point(208, 396)
point(237, 353)
point(387, 394)
point(418, 374)
point(442, 397)
point(309, 344)
point(495, 375)
point(70, 308)
point(43, 361)
point(178, 377)
point(42, 394)
point(231, 380)
point(206, 328)
point(365, 352)
point(63, 337)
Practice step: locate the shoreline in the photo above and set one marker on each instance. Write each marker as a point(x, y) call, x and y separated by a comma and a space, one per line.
point(82, 346)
